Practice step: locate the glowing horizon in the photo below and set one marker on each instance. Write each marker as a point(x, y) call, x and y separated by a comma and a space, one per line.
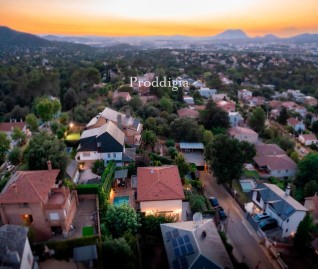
point(164, 17)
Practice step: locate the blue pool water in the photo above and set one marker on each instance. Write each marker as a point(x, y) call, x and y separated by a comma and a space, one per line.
point(120, 200)
point(247, 185)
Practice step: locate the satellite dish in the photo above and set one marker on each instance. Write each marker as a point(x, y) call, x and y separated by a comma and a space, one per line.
point(197, 219)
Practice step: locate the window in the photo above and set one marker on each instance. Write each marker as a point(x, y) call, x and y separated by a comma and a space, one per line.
point(24, 205)
point(108, 155)
point(114, 155)
point(287, 220)
point(86, 154)
point(286, 230)
point(258, 196)
point(54, 216)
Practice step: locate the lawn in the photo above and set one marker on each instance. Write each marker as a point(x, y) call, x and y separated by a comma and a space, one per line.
point(250, 173)
point(73, 137)
point(241, 196)
point(88, 231)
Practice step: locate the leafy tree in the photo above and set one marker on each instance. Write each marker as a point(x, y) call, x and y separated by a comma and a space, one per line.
point(98, 167)
point(214, 117)
point(46, 108)
point(44, 147)
point(283, 116)
point(166, 104)
point(302, 237)
point(185, 129)
point(226, 158)
point(135, 103)
point(18, 135)
point(197, 203)
point(70, 99)
point(148, 138)
point(172, 152)
point(170, 142)
point(121, 219)
point(118, 253)
point(307, 169)
point(183, 166)
point(4, 146)
point(32, 122)
point(314, 127)
point(310, 188)
point(294, 156)
point(257, 120)
point(248, 151)
point(15, 155)
point(63, 118)
point(151, 223)
point(207, 136)
point(150, 124)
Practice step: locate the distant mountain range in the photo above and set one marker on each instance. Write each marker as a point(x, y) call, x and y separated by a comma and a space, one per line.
point(9, 37)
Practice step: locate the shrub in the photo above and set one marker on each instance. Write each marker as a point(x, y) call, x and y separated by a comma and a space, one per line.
point(163, 160)
point(170, 142)
point(197, 203)
point(87, 189)
point(98, 167)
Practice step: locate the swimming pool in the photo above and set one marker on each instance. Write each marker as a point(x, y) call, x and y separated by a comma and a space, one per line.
point(247, 185)
point(120, 200)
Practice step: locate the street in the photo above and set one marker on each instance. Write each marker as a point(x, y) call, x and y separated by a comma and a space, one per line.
point(239, 232)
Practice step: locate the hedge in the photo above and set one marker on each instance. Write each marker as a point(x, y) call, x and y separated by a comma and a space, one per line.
point(106, 183)
point(163, 160)
point(87, 188)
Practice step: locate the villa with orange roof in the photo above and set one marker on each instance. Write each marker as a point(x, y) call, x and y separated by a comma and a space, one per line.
point(33, 199)
point(160, 190)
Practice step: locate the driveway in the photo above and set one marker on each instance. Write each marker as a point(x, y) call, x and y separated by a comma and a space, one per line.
point(239, 232)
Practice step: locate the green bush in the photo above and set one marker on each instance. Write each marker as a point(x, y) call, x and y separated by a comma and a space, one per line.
point(163, 160)
point(197, 203)
point(87, 189)
point(170, 143)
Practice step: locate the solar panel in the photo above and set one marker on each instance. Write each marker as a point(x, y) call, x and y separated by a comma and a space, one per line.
point(183, 250)
point(184, 262)
point(177, 252)
point(180, 241)
point(175, 233)
point(174, 243)
point(186, 238)
point(168, 235)
point(189, 248)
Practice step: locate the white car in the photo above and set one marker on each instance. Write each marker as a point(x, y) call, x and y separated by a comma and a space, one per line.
point(10, 168)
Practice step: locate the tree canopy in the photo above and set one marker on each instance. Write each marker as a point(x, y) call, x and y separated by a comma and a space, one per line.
point(257, 120)
point(307, 169)
point(185, 129)
point(4, 146)
point(214, 117)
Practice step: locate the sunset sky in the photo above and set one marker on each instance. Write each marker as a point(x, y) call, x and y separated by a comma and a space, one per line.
point(160, 17)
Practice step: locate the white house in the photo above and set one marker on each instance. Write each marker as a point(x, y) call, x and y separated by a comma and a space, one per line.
point(308, 139)
point(244, 134)
point(159, 190)
point(296, 124)
point(235, 119)
point(244, 94)
point(206, 92)
point(104, 143)
point(279, 205)
point(15, 250)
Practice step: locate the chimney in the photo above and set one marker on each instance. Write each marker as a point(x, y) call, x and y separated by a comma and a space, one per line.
point(287, 192)
point(119, 124)
point(127, 113)
point(49, 165)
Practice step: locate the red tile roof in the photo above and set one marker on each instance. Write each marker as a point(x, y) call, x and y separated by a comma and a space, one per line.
point(309, 137)
point(280, 162)
point(29, 187)
point(187, 112)
point(8, 126)
point(159, 183)
point(293, 121)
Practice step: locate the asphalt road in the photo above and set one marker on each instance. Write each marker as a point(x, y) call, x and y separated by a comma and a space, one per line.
point(239, 232)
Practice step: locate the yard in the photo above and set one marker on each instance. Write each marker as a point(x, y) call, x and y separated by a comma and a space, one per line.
point(73, 137)
point(250, 173)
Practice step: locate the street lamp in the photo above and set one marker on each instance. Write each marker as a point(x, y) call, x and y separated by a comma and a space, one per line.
point(71, 125)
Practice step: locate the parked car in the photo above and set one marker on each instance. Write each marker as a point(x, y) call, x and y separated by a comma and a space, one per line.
point(222, 214)
point(214, 202)
point(268, 224)
point(261, 216)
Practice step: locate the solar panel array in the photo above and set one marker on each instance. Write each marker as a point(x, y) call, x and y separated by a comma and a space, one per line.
point(181, 246)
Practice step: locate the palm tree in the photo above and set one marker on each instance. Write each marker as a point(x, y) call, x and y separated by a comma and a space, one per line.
point(149, 138)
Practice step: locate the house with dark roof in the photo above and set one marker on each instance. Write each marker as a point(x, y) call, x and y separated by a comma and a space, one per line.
point(271, 160)
point(279, 205)
point(159, 190)
point(72, 171)
point(194, 245)
point(33, 199)
point(15, 250)
point(131, 126)
point(106, 142)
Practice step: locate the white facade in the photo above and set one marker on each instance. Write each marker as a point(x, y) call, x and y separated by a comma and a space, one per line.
point(282, 173)
point(289, 225)
point(299, 127)
point(27, 259)
point(235, 118)
point(206, 92)
point(307, 142)
point(173, 207)
point(244, 94)
point(94, 155)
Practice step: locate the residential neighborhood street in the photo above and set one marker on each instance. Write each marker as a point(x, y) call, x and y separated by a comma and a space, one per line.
point(239, 232)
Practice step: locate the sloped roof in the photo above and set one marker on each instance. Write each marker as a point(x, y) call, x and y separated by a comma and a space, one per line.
point(12, 238)
point(240, 130)
point(29, 186)
point(112, 115)
point(293, 121)
point(159, 183)
point(309, 137)
point(284, 205)
point(8, 126)
point(268, 149)
point(279, 162)
point(208, 252)
point(187, 112)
